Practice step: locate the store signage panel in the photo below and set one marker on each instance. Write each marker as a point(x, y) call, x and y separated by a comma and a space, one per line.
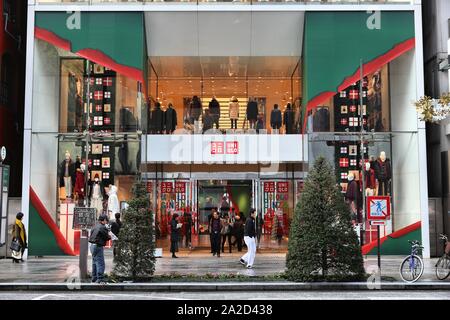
point(227, 148)
point(379, 208)
point(166, 187)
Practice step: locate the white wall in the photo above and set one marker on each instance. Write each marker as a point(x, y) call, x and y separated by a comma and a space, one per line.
point(44, 142)
point(405, 150)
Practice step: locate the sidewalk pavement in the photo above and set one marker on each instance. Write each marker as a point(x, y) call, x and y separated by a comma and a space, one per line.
point(59, 273)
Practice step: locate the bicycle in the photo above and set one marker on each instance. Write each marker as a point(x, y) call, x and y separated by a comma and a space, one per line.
point(443, 264)
point(412, 266)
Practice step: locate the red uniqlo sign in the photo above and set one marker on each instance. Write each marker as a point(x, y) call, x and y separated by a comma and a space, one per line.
point(217, 147)
point(269, 187)
point(180, 187)
point(379, 208)
point(166, 187)
point(233, 147)
point(283, 187)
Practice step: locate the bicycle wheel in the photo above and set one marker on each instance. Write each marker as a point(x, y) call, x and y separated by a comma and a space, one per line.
point(443, 267)
point(411, 269)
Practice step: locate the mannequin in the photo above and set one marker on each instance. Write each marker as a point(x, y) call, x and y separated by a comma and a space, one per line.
point(369, 177)
point(353, 197)
point(67, 175)
point(113, 202)
point(97, 194)
point(383, 174)
point(79, 184)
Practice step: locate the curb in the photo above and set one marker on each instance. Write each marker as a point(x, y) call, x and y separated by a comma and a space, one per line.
point(229, 286)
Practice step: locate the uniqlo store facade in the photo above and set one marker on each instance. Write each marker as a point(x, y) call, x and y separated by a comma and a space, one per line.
point(125, 91)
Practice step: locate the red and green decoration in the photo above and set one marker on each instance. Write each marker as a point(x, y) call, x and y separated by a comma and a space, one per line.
point(335, 42)
point(115, 40)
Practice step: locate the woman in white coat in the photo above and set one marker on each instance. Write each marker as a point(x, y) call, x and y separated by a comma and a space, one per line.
point(234, 112)
point(113, 203)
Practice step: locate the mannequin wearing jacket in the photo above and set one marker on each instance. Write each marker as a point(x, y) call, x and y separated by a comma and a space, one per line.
point(97, 194)
point(383, 174)
point(67, 175)
point(234, 112)
point(370, 180)
point(79, 184)
point(113, 203)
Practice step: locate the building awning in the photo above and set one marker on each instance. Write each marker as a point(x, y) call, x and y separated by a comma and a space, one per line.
point(112, 39)
point(335, 42)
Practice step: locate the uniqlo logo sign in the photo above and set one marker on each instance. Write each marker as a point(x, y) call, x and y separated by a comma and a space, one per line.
point(166, 187)
point(180, 187)
point(217, 147)
point(233, 147)
point(283, 187)
point(269, 187)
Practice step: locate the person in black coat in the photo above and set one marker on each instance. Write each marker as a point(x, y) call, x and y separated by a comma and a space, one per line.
point(288, 119)
point(157, 119)
point(207, 121)
point(238, 232)
point(215, 228)
point(170, 119)
point(275, 118)
point(115, 229)
point(214, 110)
point(252, 112)
point(195, 108)
point(174, 235)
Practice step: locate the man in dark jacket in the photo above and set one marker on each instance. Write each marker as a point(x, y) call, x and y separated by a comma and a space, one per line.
point(115, 229)
point(215, 228)
point(214, 110)
point(208, 121)
point(174, 235)
point(157, 120)
point(170, 119)
point(238, 232)
point(99, 237)
point(252, 112)
point(275, 118)
point(249, 238)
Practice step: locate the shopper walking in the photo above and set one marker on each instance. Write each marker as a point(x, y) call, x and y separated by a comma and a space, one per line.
point(19, 236)
point(214, 110)
point(215, 227)
point(226, 232)
point(252, 112)
point(115, 229)
point(275, 118)
point(174, 234)
point(249, 238)
point(99, 237)
point(234, 112)
point(238, 232)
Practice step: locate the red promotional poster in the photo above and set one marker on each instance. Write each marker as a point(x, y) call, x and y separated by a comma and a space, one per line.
point(269, 187)
point(180, 187)
point(283, 187)
point(166, 187)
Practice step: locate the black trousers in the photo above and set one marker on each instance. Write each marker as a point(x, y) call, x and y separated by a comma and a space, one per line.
point(233, 123)
point(216, 242)
point(216, 120)
point(383, 188)
point(188, 239)
point(224, 238)
point(238, 241)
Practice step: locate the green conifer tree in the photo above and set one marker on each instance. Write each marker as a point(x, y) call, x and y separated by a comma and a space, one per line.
point(322, 243)
point(135, 258)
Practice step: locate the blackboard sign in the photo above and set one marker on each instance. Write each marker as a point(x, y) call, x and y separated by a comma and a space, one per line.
point(84, 218)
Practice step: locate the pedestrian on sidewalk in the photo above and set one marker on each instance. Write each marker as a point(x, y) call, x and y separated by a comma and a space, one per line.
point(174, 234)
point(215, 227)
point(19, 234)
point(249, 238)
point(226, 232)
point(187, 220)
point(238, 232)
point(99, 237)
point(115, 229)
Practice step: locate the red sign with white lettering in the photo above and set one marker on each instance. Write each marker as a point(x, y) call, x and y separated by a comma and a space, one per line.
point(269, 187)
point(283, 187)
point(233, 147)
point(166, 187)
point(180, 187)
point(217, 147)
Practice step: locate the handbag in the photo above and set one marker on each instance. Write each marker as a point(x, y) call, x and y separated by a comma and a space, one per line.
point(15, 245)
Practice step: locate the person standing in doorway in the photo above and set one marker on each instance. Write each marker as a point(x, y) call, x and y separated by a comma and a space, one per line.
point(226, 232)
point(234, 112)
point(214, 110)
point(215, 227)
point(249, 238)
point(238, 231)
point(174, 234)
point(19, 233)
point(99, 237)
point(275, 118)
